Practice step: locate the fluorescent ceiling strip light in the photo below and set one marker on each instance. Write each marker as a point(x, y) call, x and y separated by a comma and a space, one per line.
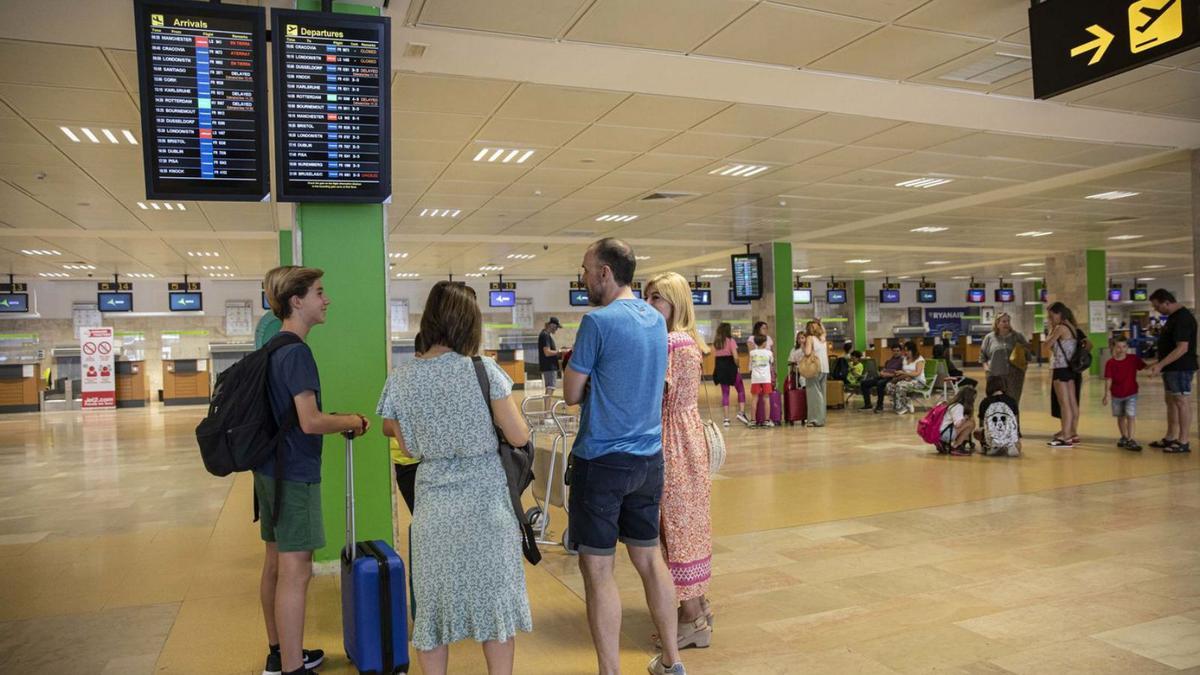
point(70, 134)
point(109, 135)
point(858, 261)
point(142, 206)
point(180, 206)
point(1112, 195)
point(929, 230)
point(155, 206)
point(525, 156)
point(1126, 237)
point(169, 206)
point(938, 262)
point(731, 169)
point(1035, 233)
point(91, 137)
point(132, 141)
point(496, 155)
point(1153, 267)
point(510, 156)
point(480, 156)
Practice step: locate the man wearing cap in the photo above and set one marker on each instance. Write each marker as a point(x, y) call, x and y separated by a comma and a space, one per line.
point(548, 354)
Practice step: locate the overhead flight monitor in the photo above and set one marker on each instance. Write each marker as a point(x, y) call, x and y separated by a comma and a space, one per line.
point(186, 302)
point(1005, 295)
point(889, 295)
point(114, 302)
point(502, 299)
point(701, 296)
point(203, 83)
point(578, 298)
point(801, 296)
point(332, 77)
point(927, 295)
point(14, 303)
point(835, 296)
point(747, 276)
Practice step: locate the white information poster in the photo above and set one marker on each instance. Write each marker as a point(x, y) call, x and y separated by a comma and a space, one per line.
point(1098, 316)
point(873, 311)
point(84, 315)
point(96, 361)
point(399, 315)
point(239, 318)
point(523, 313)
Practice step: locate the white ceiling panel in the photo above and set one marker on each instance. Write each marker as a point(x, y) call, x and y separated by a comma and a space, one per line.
point(575, 177)
point(541, 102)
point(439, 93)
point(665, 164)
point(525, 133)
point(671, 25)
point(545, 18)
point(877, 54)
point(634, 139)
point(759, 121)
point(834, 128)
point(79, 105)
point(984, 18)
point(1165, 89)
point(662, 112)
point(789, 36)
point(913, 136)
point(783, 151)
point(705, 145)
point(410, 150)
point(572, 158)
point(428, 126)
point(877, 10)
point(56, 66)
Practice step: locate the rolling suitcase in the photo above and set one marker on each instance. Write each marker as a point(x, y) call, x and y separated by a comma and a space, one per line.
point(773, 406)
point(374, 596)
point(795, 401)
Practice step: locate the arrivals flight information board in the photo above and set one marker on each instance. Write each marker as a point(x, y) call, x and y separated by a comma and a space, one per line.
point(332, 76)
point(203, 83)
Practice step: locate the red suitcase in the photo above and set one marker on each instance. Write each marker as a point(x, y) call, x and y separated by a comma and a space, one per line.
point(795, 402)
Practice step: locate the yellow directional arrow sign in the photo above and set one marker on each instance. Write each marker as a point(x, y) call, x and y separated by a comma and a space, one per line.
point(1100, 44)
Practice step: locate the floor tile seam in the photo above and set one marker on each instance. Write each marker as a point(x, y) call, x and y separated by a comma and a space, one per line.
point(957, 503)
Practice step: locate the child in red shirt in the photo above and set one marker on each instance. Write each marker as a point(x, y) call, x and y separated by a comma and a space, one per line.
point(1121, 387)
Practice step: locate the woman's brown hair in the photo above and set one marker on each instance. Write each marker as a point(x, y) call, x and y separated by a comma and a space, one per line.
point(284, 283)
point(452, 319)
point(724, 332)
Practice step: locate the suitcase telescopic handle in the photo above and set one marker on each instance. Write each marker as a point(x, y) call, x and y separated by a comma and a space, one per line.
point(350, 535)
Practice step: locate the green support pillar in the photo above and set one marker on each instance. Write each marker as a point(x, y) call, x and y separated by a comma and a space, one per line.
point(348, 241)
point(785, 319)
point(285, 247)
point(860, 315)
point(1097, 291)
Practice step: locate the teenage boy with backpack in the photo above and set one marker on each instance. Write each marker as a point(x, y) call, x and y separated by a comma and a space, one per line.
point(297, 297)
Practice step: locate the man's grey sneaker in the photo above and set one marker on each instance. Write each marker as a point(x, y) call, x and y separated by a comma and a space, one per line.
point(312, 659)
point(656, 667)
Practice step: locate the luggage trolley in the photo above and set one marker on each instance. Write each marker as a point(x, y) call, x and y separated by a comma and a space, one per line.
point(549, 416)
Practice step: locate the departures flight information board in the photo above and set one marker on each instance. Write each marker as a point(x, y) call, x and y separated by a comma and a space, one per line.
point(332, 79)
point(203, 83)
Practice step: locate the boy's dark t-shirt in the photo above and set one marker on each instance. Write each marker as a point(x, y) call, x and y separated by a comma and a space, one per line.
point(1180, 327)
point(293, 371)
point(546, 363)
point(1123, 374)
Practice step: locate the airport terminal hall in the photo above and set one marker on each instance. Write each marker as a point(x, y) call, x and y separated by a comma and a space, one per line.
point(537, 337)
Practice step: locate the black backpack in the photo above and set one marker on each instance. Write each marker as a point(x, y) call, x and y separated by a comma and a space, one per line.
point(240, 432)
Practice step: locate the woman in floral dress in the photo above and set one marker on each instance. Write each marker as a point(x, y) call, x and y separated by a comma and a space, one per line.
point(686, 532)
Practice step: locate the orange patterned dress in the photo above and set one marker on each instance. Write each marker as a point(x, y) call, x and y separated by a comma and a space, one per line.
point(687, 487)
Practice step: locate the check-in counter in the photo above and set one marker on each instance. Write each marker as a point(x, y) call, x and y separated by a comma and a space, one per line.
point(19, 387)
point(185, 381)
point(970, 350)
point(511, 361)
point(925, 347)
point(132, 388)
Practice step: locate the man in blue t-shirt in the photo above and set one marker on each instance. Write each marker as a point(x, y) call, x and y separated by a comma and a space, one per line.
point(617, 372)
point(298, 299)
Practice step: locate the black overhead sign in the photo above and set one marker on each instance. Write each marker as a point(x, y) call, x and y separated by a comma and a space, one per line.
point(202, 76)
point(332, 79)
point(114, 286)
point(1077, 42)
point(181, 287)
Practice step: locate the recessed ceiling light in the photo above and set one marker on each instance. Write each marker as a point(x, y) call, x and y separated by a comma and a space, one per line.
point(398, 255)
point(129, 136)
point(109, 135)
point(492, 268)
point(1147, 279)
point(78, 266)
point(90, 136)
point(710, 276)
point(929, 229)
point(858, 261)
point(795, 271)
point(213, 268)
point(1127, 237)
point(872, 271)
point(1021, 274)
point(1113, 195)
point(1153, 267)
point(904, 277)
point(475, 275)
point(739, 170)
point(203, 254)
point(937, 262)
point(811, 276)
point(407, 275)
point(139, 275)
point(220, 275)
point(503, 155)
point(40, 251)
point(521, 256)
point(70, 134)
point(1035, 233)
point(54, 275)
point(714, 269)
point(1032, 264)
point(924, 183)
point(641, 257)
point(616, 218)
point(440, 213)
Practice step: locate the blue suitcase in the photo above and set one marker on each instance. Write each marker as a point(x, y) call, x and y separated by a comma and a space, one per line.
point(374, 597)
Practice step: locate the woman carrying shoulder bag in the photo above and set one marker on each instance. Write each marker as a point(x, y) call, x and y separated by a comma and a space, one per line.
point(1063, 342)
point(468, 574)
point(1004, 355)
point(814, 367)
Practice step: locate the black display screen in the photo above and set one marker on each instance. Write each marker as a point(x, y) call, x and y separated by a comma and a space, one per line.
point(734, 301)
point(502, 298)
point(202, 77)
point(1139, 295)
point(579, 298)
point(889, 295)
point(114, 302)
point(14, 303)
point(747, 276)
point(1115, 295)
point(701, 296)
point(976, 295)
point(1005, 295)
point(927, 295)
point(186, 302)
point(332, 80)
point(836, 296)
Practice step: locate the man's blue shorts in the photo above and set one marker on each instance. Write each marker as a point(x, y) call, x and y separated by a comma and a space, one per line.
point(615, 497)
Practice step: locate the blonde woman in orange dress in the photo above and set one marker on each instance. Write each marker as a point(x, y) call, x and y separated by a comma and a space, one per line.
point(686, 532)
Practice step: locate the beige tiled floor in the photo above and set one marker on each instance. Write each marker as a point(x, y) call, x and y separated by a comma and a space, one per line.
point(849, 549)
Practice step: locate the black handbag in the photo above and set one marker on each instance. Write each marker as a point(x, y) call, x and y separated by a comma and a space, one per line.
point(518, 469)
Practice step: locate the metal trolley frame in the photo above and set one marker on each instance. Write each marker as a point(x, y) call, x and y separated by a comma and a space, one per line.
point(549, 416)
